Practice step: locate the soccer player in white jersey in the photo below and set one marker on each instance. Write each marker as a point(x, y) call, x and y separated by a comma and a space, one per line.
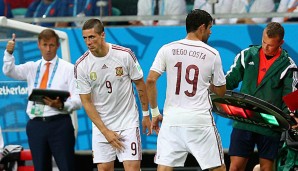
point(104, 77)
point(193, 69)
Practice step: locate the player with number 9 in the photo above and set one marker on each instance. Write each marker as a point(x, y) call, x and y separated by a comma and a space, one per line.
point(104, 75)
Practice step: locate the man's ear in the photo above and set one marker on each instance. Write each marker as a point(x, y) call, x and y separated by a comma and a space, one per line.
point(202, 27)
point(38, 44)
point(102, 35)
point(282, 42)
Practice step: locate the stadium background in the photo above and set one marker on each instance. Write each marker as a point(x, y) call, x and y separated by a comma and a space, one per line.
point(145, 42)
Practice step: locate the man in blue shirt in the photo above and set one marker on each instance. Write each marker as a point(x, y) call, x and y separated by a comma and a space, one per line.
point(48, 8)
point(82, 8)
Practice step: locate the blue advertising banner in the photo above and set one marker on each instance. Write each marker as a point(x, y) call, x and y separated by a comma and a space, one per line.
point(145, 42)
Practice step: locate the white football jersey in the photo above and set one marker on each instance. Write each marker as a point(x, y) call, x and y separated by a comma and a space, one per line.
point(109, 80)
point(190, 67)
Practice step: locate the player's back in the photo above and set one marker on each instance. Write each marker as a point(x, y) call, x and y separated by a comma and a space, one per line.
point(189, 66)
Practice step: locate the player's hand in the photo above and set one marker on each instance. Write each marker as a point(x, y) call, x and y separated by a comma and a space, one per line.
point(114, 139)
point(296, 119)
point(56, 103)
point(156, 122)
point(146, 125)
point(10, 44)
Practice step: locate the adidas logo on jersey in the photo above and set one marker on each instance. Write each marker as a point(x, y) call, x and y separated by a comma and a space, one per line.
point(251, 63)
point(104, 66)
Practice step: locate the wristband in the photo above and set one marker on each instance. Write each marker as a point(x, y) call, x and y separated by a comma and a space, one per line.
point(155, 112)
point(145, 113)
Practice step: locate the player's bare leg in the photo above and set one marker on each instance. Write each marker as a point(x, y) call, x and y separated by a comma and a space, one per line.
point(220, 168)
point(105, 166)
point(266, 165)
point(238, 163)
point(164, 168)
point(132, 165)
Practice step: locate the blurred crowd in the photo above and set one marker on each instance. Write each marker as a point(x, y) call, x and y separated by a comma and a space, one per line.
point(82, 8)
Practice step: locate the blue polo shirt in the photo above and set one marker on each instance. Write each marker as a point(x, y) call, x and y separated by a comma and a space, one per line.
point(88, 7)
point(38, 9)
point(82, 8)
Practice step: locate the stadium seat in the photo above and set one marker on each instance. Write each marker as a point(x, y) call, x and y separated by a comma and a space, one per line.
point(116, 11)
point(19, 12)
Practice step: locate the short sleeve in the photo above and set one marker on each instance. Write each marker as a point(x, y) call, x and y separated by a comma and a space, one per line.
point(159, 64)
point(218, 74)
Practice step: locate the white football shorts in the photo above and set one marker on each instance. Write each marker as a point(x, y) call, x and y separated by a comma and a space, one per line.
point(174, 143)
point(103, 152)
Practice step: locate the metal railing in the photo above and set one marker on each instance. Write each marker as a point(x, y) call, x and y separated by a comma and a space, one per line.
point(160, 17)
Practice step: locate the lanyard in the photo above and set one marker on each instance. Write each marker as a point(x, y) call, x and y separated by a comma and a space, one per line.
point(52, 75)
point(47, 11)
point(161, 7)
point(76, 5)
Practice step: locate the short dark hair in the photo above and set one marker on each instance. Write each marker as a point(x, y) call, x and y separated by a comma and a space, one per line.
point(274, 29)
point(48, 34)
point(94, 23)
point(196, 18)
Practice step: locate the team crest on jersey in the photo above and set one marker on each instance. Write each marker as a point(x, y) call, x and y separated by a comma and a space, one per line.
point(93, 76)
point(119, 71)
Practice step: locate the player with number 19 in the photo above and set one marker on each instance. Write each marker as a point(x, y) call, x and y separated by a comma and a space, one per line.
point(193, 68)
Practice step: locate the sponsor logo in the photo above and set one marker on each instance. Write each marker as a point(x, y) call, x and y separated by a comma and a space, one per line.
point(13, 90)
point(251, 63)
point(104, 66)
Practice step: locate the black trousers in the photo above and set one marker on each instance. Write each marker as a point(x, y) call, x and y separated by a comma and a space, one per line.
point(53, 136)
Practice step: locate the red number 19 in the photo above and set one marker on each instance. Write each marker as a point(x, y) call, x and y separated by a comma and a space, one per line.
point(193, 81)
